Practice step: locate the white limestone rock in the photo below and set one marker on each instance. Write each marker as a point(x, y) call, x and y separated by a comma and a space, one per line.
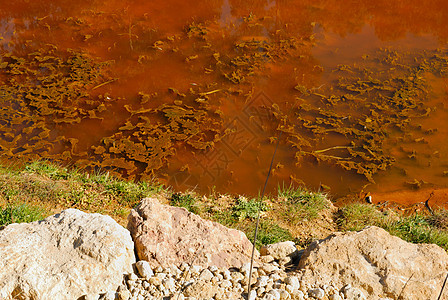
point(65, 256)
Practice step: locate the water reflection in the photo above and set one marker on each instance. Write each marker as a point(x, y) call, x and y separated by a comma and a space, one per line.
point(197, 93)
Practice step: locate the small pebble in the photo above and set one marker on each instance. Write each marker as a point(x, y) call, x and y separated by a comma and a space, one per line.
point(144, 269)
point(317, 293)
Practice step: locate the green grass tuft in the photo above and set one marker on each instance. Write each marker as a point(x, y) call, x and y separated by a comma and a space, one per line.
point(48, 169)
point(55, 186)
point(20, 213)
point(416, 228)
point(248, 208)
point(268, 233)
point(302, 205)
point(356, 216)
point(187, 201)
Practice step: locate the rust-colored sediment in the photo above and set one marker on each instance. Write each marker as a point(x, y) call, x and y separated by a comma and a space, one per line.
point(198, 96)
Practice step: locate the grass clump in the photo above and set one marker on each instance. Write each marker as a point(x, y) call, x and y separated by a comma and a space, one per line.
point(248, 208)
point(356, 216)
point(187, 201)
point(301, 204)
point(415, 228)
point(439, 219)
point(242, 214)
point(268, 233)
point(21, 213)
point(418, 229)
point(55, 187)
point(50, 170)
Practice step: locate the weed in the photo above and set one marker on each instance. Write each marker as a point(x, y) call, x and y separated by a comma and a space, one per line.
point(439, 219)
point(54, 186)
point(224, 217)
point(47, 168)
point(301, 205)
point(417, 229)
point(20, 213)
point(268, 233)
point(187, 201)
point(248, 208)
point(356, 216)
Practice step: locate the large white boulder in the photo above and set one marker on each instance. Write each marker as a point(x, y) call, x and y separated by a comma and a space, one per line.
point(376, 264)
point(65, 256)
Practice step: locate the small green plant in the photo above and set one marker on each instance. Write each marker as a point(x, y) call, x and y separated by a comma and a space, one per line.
point(185, 200)
point(356, 216)
point(268, 233)
point(20, 213)
point(127, 192)
point(55, 186)
point(418, 229)
point(439, 219)
point(47, 168)
point(301, 204)
point(248, 208)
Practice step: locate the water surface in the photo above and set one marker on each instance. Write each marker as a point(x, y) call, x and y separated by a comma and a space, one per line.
point(197, 94)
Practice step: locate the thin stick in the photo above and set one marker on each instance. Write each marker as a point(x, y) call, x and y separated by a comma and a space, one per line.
point(427, 203)
point(130, 34)
point(104, 83)
point(404, 286)
point(332, 148)
point(258, 217)
point(208, 93)
point(443, 286)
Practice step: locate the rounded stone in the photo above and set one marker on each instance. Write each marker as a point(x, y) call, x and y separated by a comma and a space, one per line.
point(144, 269)
point(293, 282)
point(262, 281)
point(275, 294)
point(317, 293)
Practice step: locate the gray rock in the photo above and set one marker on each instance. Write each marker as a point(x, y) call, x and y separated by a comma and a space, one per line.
point(170, 284)
point(335, 297)
point(65, 256)
point(108, 296)
point(266, 259)
point(225, 284)
point(245, 269)
point(226, 274)
point(252, 295)
point(123, 293)
point(132, 277)
point(284, 295)
point(269, 297)
point(269, 268)
point(299, 295)
point(237, 277)
point(354, 294)
point(155, 281)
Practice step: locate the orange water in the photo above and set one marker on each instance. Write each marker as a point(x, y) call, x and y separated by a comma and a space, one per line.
point(336, 32)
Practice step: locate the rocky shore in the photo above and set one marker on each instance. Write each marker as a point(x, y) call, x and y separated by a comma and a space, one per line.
point(170, 253)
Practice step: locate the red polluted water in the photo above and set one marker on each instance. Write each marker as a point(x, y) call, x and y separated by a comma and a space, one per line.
point(197, 94)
